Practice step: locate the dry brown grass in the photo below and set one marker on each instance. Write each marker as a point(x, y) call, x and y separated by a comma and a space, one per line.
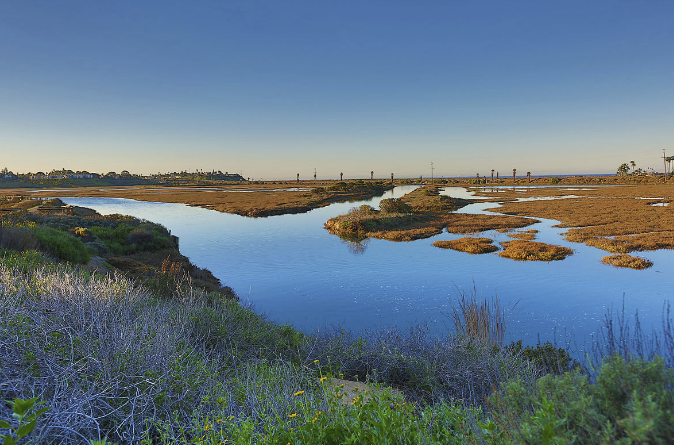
point(623, 260)
point(533, 251)
point(482, 321)
point(527, 235)
point(609, 218)
point(465, 223)
point(243, 199)
point(467, 244)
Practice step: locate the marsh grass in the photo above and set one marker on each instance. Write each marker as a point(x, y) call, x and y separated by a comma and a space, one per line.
point(614, 219)
point(468, 244)
point(465, 223)
point(628, 261)
point(533, 251)
point(527, 235)
point(421, 213)
point(483, 321)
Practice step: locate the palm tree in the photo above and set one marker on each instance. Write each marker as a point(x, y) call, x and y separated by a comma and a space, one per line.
point(623, 169)
point(492, 175)
point(633, 164)
point(340, 176)
point(371, 175)
point(298, 177)
point(529, 177)
point(514, 173)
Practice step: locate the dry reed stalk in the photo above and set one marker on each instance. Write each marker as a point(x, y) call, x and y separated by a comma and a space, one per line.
point(482, 321)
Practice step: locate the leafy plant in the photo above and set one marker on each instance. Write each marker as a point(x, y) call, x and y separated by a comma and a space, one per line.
point(25, 418)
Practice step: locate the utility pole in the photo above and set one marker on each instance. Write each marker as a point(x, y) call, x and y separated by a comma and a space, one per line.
point(664, 158)
point(432, 177)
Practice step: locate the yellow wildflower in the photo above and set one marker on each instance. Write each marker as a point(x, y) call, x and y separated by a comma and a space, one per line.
point(322, 379)
point(298, 393)
point(292, 415)
point(316, 361)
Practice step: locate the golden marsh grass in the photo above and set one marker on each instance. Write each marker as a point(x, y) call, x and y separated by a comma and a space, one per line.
point(624, 260)
point(618, 219)
point(468, 244)
point(533, 251)
point(527, 235)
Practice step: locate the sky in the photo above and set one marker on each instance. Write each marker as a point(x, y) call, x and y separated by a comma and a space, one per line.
point(274, 88)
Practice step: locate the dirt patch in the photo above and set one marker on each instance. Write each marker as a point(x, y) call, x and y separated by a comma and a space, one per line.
point(351, 391)
point(468, 244)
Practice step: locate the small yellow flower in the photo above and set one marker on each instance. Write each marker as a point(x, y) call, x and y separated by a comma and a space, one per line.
point(322, 379)
point(298, 393)
point(341, 374)
point(316, 361)
point(292, 415)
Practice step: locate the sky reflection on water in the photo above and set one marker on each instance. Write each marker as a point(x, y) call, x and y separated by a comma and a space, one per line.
point(293, 270)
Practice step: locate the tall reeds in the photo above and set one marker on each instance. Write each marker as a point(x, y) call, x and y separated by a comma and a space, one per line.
point(480, 320)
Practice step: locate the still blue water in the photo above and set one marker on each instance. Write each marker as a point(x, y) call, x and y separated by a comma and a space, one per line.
point(291, 269)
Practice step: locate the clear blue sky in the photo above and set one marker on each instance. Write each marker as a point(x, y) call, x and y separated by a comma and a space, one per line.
point(275, 88)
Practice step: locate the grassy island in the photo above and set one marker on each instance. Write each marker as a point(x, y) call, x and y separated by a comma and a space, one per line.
point(469, 245)
point(533, 251)
point(421, 213)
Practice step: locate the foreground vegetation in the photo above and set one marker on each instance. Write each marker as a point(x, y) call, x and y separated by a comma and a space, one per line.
point(114, 361)
point(141, 249)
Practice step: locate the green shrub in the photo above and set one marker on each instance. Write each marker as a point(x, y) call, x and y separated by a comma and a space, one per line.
point(631, 402)
point(546, 357)
point(394, 205)
point(62, 245)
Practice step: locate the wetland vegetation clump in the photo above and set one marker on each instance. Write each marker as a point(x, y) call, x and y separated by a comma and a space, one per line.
point(533, 251)
point(466, 223)
point(419, 214)
point(468, 244)
point(629, 261)
point(526, 235)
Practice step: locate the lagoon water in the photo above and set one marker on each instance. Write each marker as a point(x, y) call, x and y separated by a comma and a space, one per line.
point(290, 268)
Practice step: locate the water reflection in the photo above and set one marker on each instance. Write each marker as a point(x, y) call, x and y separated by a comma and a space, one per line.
point(356, 246)
point(293, 270)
